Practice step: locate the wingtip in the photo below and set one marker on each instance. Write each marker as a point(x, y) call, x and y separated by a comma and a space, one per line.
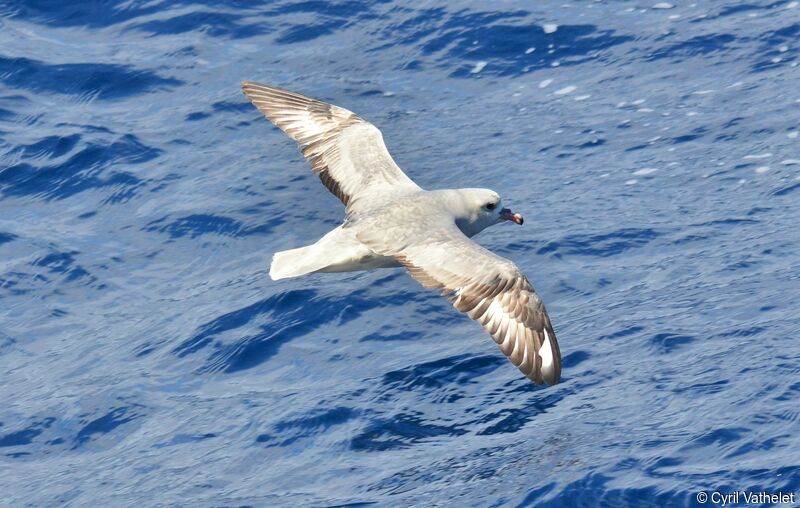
point(551, 369)
point(553, 379)
point(245, 87)
point(549, 378)
point(546, 370)
point(248, 86)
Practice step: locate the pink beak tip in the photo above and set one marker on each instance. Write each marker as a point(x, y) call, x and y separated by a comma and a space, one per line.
point(514, 217)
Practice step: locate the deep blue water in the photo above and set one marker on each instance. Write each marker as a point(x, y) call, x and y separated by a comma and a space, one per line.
point(147, 359)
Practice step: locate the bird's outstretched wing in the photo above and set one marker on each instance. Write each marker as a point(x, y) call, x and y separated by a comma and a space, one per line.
point(345, 151)
point(489, 289)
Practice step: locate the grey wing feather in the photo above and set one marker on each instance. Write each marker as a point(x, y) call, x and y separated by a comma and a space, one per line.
point(345, 151)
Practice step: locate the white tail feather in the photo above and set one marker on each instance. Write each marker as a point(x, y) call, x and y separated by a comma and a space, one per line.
point(337, 251)
point(294, 262)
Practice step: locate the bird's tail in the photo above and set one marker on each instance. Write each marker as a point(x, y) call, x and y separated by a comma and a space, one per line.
point(337, 251)
point(296, 262)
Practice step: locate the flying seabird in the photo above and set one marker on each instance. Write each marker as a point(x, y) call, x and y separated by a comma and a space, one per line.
point(390, 221)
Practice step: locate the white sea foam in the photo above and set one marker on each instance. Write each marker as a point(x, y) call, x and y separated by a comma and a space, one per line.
point(478, 67)
point(545, 82)
point(565, 90)
point(645, 171)
point(549, 28)
point(758, 156)
point(762, 169)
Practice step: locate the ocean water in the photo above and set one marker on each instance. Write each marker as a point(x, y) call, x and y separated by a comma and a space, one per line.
point(147, 359)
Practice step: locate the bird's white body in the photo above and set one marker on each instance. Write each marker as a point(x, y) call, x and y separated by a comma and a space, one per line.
point(341, 251)
point(390, 221)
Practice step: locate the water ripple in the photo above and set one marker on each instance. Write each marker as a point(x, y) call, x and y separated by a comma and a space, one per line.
point(148, 359)
point(98, 80)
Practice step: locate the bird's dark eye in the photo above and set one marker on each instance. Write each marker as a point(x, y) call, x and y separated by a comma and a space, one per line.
point(491, 206)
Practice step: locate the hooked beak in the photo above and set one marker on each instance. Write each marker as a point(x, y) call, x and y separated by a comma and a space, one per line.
point(507, 214)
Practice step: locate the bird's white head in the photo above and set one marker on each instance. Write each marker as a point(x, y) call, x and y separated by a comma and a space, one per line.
point(477, 209)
